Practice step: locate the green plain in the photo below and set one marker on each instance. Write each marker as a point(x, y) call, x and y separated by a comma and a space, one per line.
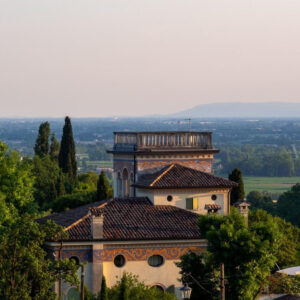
point(276, 185)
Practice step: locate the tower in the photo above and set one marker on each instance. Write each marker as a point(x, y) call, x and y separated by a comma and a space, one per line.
point(138, 153)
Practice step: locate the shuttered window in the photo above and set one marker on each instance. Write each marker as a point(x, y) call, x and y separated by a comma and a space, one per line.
point(192, 203)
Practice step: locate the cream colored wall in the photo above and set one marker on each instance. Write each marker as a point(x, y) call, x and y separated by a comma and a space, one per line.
point(165, 275)
point(159, 197)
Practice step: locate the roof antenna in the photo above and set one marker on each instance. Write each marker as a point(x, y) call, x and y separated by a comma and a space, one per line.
point(190, 123)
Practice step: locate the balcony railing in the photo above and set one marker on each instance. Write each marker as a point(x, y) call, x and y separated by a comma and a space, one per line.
point(162, 140)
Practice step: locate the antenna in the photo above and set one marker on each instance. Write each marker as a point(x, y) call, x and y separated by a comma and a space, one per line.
point(190, 123)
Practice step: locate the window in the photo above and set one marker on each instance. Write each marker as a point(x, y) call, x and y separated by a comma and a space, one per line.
point(155, 260)
point(170, 198)
point(192, 203)
point(214, 197)
point(158, 287)
point(119, 261)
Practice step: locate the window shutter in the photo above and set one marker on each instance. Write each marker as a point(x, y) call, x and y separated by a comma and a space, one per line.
point(195, 203)
point(189, 203)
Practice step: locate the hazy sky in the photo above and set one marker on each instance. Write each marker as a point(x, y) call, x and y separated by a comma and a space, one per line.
point(133, 57)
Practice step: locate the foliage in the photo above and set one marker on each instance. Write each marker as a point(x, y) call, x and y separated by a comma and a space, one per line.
point(66, 157)
point(41, 147)
point(260, 160)
point(288, 205)
point(48, 181)
point(16, 186)
point(260, 200)
point(87, 182)
point(284, 284)
point(71, 201)
point(54, 148)
point(130, 288)
point(237, 193)
point(248, 253)
point(104, 291)
point(193, 267)
point(103, 188)
point(26, 272)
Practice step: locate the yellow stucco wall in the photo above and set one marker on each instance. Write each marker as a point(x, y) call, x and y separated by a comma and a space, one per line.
point(159, 197)
point(165, 275)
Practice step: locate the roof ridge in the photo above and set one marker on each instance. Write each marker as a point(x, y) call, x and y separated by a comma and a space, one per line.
point(162, 174)
point(87, 215)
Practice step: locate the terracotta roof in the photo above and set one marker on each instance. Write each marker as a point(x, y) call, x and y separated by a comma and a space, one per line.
point(130, 219)
point(177, 176)
point(212, 206)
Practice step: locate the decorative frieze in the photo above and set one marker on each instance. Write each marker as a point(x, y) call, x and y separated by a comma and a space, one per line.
point(131, 254)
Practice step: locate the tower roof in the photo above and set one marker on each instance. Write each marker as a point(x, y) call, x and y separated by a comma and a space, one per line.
point(176, 176)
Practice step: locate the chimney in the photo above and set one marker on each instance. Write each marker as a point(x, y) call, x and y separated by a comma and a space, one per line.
point(96, 224)
point(242, 207)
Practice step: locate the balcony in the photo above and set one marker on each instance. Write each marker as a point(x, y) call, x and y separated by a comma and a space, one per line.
point(161, 141)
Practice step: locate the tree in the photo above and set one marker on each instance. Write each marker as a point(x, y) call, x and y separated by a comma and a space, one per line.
point(26, 272)
point(47, 179)
point(205, 274)
point(288, 205)
point(66, 157)
point(104, 292)
point(260, 200)
point(16, 186)
point(124, 290)
point(102, 187)
point(41, 147)
point(248, 253)
point(129, 287)
point(237, 193)
point(54, 148)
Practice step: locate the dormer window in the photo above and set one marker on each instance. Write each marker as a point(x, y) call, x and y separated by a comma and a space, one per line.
point(212, 208)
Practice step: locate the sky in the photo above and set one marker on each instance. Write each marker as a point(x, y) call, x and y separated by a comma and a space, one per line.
point(98, 58)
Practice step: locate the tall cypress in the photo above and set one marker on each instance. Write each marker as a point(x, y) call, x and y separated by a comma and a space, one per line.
point(41, 147)
point(102, 187)
point(103, 292)
point(66, 157)
point(237, 193)
point(54, 148)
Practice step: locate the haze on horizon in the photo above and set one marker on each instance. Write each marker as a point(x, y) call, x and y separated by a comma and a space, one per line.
point(114, 57)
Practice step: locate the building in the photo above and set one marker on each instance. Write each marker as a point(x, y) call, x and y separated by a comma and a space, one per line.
point(162, 182)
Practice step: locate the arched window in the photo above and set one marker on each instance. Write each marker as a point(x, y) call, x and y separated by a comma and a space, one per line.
point(119, 185)
point(126, 184)
point(131, 183)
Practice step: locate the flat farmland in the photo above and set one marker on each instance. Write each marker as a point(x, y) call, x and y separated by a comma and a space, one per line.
point(270, 184)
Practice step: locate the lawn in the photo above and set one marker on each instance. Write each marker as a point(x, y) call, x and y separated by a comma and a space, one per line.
point(100, 163)
point(276, 185)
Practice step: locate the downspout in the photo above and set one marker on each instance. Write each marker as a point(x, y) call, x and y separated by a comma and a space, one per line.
point(134, 173)
point(60, 282)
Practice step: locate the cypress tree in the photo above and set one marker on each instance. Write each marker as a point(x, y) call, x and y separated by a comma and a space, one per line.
point(54, 148)
point(124, 291)
point(104, 292)
point(41, 147)
point(66, 157)
point(237, 193)
point(102, 187)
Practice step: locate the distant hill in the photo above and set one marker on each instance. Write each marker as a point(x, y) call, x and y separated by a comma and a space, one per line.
point(242, 110)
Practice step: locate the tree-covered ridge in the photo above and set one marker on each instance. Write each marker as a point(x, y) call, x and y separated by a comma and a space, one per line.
point(256, 160)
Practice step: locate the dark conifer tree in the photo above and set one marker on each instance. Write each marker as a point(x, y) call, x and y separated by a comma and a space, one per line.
point(54, 148)
point(104, 292)
point(102, 187)
point(66, 157)
point(237, 193)
point(41, 147)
